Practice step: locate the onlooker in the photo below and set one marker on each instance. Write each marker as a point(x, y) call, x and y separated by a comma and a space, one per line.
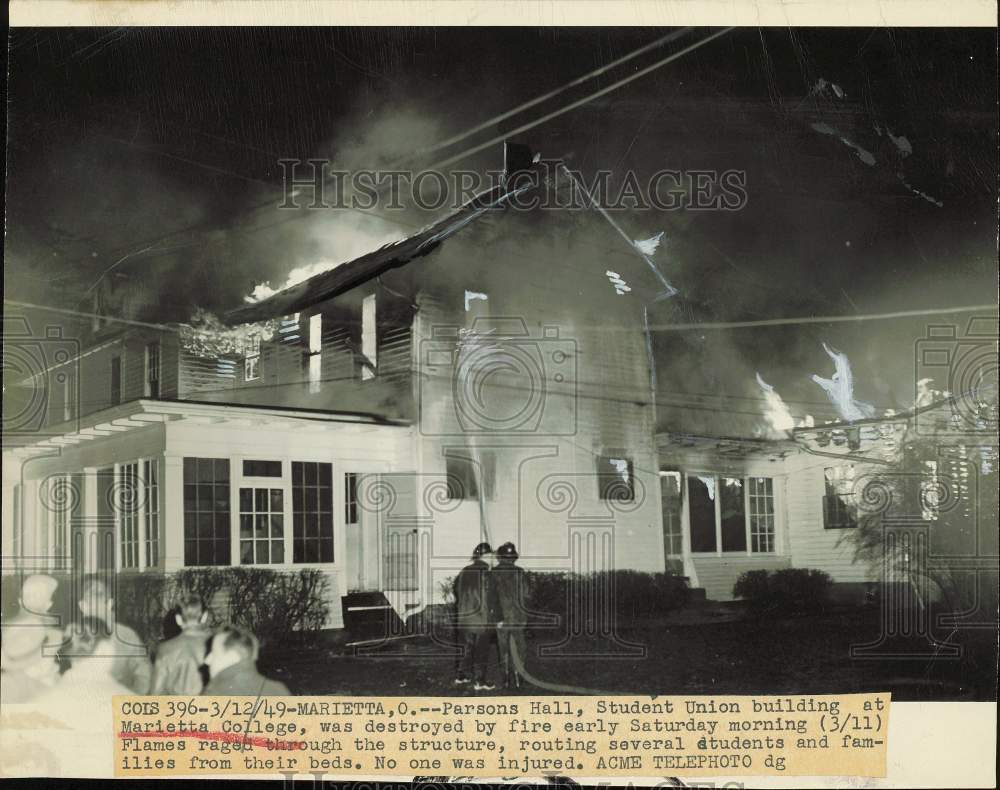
point(509, 581)
point(130, 664)
point(476, 613)
point(177, 668)
point(232, 667)
point(81, 700)
point(25, 671)
point(30, 640)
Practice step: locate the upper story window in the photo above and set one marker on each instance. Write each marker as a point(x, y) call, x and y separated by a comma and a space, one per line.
point(116, 380)
point(251, 358)
point(68, 395)
point(369, 339)
point(152, 380)
point(614, 478)
point(314, 358)
point(840, 510)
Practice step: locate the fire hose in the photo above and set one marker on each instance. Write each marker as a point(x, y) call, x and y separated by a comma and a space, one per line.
point(563, 688)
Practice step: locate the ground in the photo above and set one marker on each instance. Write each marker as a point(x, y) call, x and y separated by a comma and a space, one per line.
point(735, 654)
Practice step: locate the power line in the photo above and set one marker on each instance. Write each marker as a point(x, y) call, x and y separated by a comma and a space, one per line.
point(585, 100)
point(829, 319)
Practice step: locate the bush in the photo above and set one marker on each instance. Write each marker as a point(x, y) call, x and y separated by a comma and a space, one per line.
point(278, 606)
point(786, 591)
point(142, 601)
point(629, 594)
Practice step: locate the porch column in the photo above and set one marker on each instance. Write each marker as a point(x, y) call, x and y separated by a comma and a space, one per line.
point(689, 569)
point(33, 526)
point(85, 542)
point(172, 512)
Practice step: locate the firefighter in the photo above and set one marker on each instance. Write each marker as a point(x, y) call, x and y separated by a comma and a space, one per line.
point(509, 580)
point(476, 614)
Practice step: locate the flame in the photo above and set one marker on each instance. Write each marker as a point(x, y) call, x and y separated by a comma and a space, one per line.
point(779, 418)
point(840, 389)
point(207, 337)
point(297, 275)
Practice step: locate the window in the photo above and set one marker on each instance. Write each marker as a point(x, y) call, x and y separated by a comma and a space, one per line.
point(761, 500)
point(152, 387)
point(206, 511)
point(930, 492)
point(614, 479)
point(839, 508)
point(351, 498)
point(126, 505)
point(262, 526)
point(670, 498)
point(461, 477)
point(729, 513)
point(314, 357)
point(262, 468)
point(151, 506)
point(732, 514)
point(369, 342)
point(312, 512)
point(67, 382)
point(116, 380)
point(251, 358)
point(701, 507)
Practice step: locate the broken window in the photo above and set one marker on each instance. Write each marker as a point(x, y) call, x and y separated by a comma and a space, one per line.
point(732, 514)
point(930, 492)
point(701, 504)
point(839, 508)
point(369, 342)
point(314, 356)
point(152, 383)
point(251, 358)
point(614, 479)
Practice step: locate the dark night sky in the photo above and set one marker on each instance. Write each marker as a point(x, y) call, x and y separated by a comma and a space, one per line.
point(118, 138)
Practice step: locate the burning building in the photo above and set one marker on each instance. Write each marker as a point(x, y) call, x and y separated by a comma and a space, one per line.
point(480, 379)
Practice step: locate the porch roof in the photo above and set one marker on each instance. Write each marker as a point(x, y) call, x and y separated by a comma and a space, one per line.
point(731, 447)
point(145, 411)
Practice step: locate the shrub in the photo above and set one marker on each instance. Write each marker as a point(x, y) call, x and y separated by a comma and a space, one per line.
point(786, 591)
point(278, 606)
point(629, 594)
point(142, 602)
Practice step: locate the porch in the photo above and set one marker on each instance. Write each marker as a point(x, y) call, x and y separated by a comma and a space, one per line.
point(158, 486)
